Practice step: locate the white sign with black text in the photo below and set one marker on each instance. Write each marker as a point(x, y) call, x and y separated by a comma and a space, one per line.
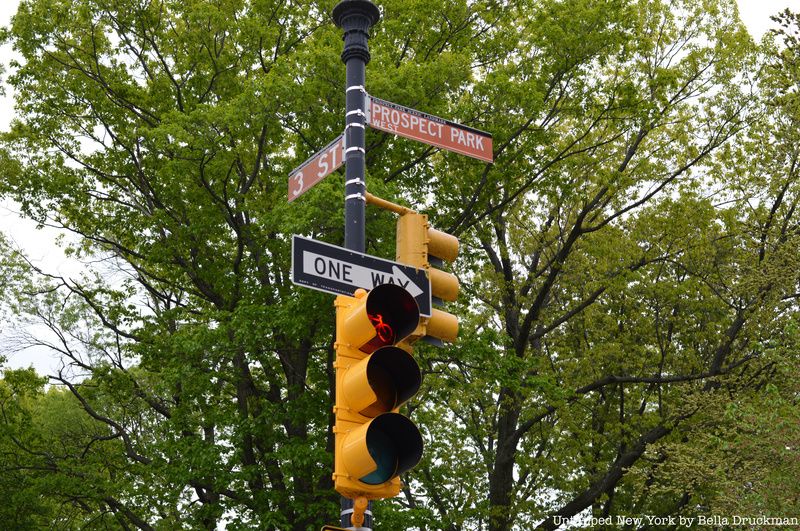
point(332, 269)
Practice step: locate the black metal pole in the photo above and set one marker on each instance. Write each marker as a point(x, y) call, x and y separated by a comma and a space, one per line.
point(355, 17)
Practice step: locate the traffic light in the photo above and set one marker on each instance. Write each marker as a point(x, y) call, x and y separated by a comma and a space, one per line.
point(420, 245)
point(374, 377)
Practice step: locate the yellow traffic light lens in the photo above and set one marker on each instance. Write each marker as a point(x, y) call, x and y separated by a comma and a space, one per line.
point(381, 382)
point(394, 377)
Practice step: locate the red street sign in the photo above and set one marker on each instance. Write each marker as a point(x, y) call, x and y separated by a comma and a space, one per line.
point(317, 167)
point(416, 125)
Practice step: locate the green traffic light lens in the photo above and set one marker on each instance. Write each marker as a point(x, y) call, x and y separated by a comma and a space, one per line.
point(383, 452)
point(394, 444)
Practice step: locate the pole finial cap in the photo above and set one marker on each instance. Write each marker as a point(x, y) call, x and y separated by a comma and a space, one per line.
point(347, 8)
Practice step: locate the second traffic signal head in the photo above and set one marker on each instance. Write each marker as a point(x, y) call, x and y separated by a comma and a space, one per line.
point(422, 246)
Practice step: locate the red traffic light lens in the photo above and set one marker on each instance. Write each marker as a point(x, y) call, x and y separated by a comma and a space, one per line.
point(393, 313)
point(382, 329)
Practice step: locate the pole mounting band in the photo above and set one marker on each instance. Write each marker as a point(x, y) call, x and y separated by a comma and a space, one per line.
point(349, 511)
point(355, 196)
point(355, 181)
point(354, 148)
point(356, 87)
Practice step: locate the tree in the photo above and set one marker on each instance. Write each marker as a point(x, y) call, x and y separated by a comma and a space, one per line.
point(618, 296)
point(151, 125)
point(59, 467)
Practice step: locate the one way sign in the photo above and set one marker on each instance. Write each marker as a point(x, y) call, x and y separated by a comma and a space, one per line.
point(325, 267)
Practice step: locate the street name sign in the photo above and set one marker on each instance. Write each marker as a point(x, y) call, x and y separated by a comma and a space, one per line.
point(411, 123)
point(332, 269)
point(321, 164)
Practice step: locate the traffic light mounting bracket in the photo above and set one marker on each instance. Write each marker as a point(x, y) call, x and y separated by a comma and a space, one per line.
point(388, 205)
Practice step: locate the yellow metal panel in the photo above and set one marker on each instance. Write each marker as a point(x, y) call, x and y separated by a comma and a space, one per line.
point(412, 239)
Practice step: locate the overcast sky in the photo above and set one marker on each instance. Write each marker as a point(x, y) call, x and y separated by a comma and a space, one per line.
point(39, 244)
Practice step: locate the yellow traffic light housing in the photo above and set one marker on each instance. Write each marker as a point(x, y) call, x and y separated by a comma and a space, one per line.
point(375, 372)
point(422, 246)
point(374, 377)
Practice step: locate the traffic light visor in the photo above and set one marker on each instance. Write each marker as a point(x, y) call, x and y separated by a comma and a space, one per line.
point(382, 381)
point(443, 325)
point(385, 315)
point(381, 449)
point(442, 245)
